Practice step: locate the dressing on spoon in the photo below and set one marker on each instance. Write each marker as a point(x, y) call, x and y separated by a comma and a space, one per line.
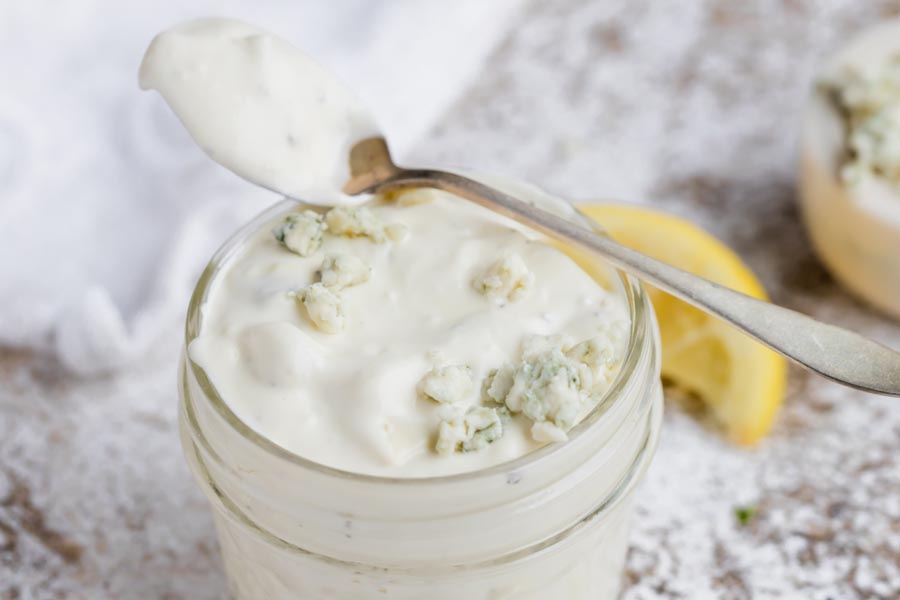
point(259, 107)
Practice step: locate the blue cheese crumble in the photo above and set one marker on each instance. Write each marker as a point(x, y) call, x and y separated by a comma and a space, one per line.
point(554, 381)
point(462, 428)
point(506, 280)
point(869, 100)
point(471, 429)
point(325, 308)
point(341, 271)
point(451, 384)
point(551, 385)
point(548, 387)
point(602, 353)
point(301, 233)
point(359, 221)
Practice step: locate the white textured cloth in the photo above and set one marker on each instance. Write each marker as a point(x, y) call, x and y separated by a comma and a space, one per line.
point(107, 209)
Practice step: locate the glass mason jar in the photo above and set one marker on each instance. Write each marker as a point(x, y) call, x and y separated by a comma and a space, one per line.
point(550, 524)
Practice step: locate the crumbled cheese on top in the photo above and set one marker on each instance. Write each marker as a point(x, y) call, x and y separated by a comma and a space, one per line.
point(450, 384)
point(471, 429)
point(553, 381)
point(548, 386)
point(497, 384)
point(551, 385)
point(344, 270)
point(602, 353)
point(870, 102)
point(506, 280)
point(356, 221)
point(463, 428)
point(301, 233)
point(324, 307)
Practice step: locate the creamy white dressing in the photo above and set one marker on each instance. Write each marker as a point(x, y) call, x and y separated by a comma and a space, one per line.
point(259, 107)
point(350, 400)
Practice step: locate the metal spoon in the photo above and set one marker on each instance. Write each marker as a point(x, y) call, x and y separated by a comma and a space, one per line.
point(835, 353)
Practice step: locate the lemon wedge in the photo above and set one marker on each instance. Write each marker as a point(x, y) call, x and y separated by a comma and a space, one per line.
point(741, 381)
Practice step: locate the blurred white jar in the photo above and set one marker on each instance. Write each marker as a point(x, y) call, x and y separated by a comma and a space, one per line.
point(854, 221)
point(551, 524)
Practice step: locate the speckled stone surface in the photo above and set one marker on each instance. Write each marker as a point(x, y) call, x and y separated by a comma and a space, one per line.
point(690, 106)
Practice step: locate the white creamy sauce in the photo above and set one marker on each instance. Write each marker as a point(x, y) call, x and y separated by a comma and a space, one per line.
point(259, 107)
point(351, 399)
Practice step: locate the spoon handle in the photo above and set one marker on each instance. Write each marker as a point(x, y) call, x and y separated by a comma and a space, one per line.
point(838, 354)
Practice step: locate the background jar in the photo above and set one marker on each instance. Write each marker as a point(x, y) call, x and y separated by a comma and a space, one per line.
point(856, 232)
point(551, 524)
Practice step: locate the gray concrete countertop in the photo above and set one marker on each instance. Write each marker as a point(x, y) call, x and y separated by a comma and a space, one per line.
point(690, 106)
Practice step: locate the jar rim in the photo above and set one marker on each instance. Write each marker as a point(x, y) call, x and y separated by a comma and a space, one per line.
point(639, 313)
